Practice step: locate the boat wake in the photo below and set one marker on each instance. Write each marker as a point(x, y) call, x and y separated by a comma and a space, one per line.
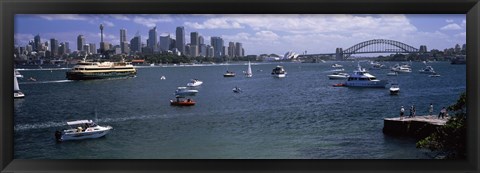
point(43, 82)
point(41, 69)
point(23, 127)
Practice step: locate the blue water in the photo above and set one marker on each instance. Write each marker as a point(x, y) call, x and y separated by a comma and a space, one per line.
point(298, 117)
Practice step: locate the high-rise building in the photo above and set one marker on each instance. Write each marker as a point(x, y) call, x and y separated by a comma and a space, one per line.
point(464, 47)
point(180, 39)
point(172, 44)
point(123, 35)
point(136, 44)
point(423, 49)
point(210, 51)
point(37, 45)
point(152, 39)
point(124, 47)
point(202, 50)
point(53, 47)
point(238, 49)
point(165, 42)
point(93, 48)
point(201, 40)
point(193, 50)
point(86, 49)
point(194, 38)
point(80, 42)
point(217, 44)
point(231, 49)
point(67, 47)
point(457, 48)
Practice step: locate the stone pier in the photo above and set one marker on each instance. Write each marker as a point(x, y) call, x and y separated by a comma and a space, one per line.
point(418, 126)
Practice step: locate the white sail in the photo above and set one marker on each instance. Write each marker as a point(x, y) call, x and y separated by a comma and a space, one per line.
point(249, 70)
point(15, 83)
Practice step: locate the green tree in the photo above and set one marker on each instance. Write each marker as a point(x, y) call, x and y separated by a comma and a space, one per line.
point(449, 141)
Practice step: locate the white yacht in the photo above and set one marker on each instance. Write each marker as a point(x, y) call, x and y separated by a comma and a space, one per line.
point(361, 78)
point(194, 83)
point(427, 70)
point(338, 76)
point(279, 72)
point(401, 68)
point(82, 129)
point(184, 91)
point(16, 89)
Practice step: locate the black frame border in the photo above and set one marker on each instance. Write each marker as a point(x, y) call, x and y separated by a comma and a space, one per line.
point(8, 8)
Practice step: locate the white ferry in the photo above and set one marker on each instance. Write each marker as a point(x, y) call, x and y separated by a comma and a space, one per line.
point(85, 70)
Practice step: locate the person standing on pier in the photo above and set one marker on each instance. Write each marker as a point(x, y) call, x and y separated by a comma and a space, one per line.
point(430, 110)
point(401, 112)
point(413, 110)
point(442, 113)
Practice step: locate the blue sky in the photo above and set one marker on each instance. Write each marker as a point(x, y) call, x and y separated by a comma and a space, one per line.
point(261, 33)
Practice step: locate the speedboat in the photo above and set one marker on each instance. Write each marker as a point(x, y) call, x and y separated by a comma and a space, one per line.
point(178, 102)
point(229, 74)
point(337, 66)
point(184, 91)
point(394, 89)
point(279, 72)
point(427, 70)
point(236, 90)
point(163, 78)
point(361, 78)
point(434, 75)
point(401, 68)
point(194, 83)
point(338, 76)
point(82, 129)
point(392, 74)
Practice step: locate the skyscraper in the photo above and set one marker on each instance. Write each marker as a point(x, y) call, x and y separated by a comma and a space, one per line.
point(80, 42)
point(165, 43)
point(92, 48)
point(53, 47)
point(180, 39)
point(136, 44)
point(217, 44)
point(231, 49)
point(37, 45)
point(238, 50)
point(123, 35)
point(194, 43)
point(152, 39)
point(200, 40)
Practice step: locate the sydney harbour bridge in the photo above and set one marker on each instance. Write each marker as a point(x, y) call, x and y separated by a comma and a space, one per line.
point(370, 46)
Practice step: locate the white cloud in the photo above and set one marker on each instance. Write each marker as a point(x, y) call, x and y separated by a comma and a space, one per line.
point(63, 17)
point(464, 23)
point(120, 17)
point(151, 21)
point(215, 23)
point(452, 26)
point(108, 23)
point(461, 35)
point(449, 21)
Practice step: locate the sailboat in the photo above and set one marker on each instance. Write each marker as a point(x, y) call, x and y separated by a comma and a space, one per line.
point(16, 89)
point(249, 70)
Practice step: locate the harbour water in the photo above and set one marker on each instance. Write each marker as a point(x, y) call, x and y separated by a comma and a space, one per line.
point(300, 116)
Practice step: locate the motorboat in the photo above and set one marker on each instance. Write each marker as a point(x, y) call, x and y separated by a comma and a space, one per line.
point(179, 102)
point(338, 70)
point(394, 89)
point(163, 78)
point(361, 78)
point(427, 70)
point(434, 75)
point(279, 72)
point(377, 66)
point(184, 91)
point(337, 66)
point(249, 70)
point(338, 76)
point(229, 74)
point(82, 129)
point(16, 88)
point(194, 83)
point(401, 68)
point(392, 73)
point(237, 90)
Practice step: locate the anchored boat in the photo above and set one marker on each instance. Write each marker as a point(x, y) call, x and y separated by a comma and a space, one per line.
point(82, 129)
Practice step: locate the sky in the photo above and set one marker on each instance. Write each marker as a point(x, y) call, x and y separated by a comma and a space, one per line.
point(259, 33)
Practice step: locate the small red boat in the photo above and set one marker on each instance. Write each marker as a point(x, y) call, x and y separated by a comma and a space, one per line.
point(188, 102)
point(339, 85)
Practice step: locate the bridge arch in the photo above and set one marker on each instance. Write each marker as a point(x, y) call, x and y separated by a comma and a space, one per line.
point(379, 46)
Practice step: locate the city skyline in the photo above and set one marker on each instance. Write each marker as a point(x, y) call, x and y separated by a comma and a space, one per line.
point(258, 33)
